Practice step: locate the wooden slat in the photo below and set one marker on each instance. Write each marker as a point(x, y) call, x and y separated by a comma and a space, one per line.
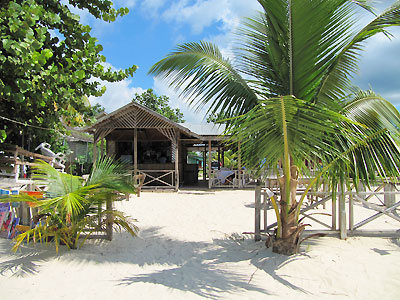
point(154, 178)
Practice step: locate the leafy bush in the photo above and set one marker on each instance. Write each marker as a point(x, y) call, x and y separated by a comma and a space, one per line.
point(72, 208)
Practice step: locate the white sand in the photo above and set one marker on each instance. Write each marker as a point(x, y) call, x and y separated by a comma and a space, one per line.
point(190, 247)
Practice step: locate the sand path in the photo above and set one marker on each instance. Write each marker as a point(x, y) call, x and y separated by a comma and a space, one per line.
point(190, 247)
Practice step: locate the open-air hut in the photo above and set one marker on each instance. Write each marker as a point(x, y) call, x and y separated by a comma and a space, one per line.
point(152, 145)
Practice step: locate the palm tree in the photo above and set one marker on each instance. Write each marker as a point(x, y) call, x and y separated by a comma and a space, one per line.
point(288, 97)
point(73, 207)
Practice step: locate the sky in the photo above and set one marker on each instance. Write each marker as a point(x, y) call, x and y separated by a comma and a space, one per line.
point(153, 28)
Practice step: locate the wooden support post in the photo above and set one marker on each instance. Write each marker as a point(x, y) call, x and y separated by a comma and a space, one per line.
point(177, 161)
point(209, 164)
point(204, 162)
point(95, 140)
point(265, 209)
point(361, 188)
point(94, 150)
point(109, 224)
point(219, 158)
point(24, 213)
point(351, 211)
point(389, 199)
point(257, 231)
point(102, 147)
point(223, 157)
point(135, 149)
point(24, 210)
point(16, 166)
point(239, 167)
point(334, 214)
point(342, 212)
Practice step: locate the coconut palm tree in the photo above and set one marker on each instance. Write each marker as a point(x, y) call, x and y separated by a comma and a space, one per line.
point(72, 207)
point(288, 97)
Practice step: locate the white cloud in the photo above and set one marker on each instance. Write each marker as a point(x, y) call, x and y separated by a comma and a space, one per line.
point(161, 87)
point(117, 95)
point(227, 14)
point(152, 6)
point(379, 67)
point(121, 93)
point(204, 13)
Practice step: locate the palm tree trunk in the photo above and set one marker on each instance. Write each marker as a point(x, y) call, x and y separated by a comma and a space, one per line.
point(288, 242)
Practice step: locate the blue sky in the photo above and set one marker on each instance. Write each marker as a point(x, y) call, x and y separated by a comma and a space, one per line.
point(153, 28)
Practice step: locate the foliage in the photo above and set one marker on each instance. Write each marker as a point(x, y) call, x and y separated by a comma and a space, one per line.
point(216, 118)
point(159, 104)
point(50, 64)
point(72, 207)
point(288, 98)
point(230, 158)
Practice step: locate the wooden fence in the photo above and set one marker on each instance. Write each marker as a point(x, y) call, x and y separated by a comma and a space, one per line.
point(338, 224)
point(231, 178)
point(14, 161)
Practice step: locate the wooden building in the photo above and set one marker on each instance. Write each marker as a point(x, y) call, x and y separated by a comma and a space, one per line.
point(153, 145)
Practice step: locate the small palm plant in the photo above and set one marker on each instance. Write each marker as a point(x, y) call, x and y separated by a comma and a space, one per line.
point(72, 207)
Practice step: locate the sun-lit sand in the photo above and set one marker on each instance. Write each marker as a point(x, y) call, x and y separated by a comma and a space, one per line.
point(191, 246)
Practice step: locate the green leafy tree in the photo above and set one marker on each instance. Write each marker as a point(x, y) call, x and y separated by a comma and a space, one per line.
point(288, 93)
point(50, 64)
point(159, 104)
point(217, 118)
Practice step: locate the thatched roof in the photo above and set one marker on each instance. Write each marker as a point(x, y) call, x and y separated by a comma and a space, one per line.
point(134, 115)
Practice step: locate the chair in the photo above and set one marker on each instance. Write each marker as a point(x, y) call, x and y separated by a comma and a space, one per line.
point(58, 159)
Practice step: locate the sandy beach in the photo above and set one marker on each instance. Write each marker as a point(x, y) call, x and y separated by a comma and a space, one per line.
point(191, 246)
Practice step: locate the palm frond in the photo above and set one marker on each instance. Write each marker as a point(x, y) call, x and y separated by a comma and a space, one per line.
point(288, 54)
point(111, 174)
point(207, 78)
point(336, 78)
point(58, 183)
point(374, 111)
point(309, 127)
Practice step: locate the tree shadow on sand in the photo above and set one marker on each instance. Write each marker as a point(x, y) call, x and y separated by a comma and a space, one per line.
point(206, 268)
point(203, 268)
point(26, 261)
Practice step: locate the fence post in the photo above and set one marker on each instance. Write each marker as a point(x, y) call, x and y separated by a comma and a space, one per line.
point(342, 211)
point(109, 222)
point(257, 211)
point(334, 208)
point(389, 199)
point(351, 211)
point(265, 211)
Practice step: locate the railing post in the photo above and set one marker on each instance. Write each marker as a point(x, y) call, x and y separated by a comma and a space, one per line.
point(351, 211)
point(109, 224)
point(239, 166)
point(334, 210)
point(342, 211)
point(209, 163)
point(325, 188)
point(135, 151)
point(389, 199)
point(265, 210)
point(257, 211)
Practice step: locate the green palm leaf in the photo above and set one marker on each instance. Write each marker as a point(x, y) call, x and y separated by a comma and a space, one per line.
point(336, 80)
point(207, 78)
point(112, 175)
point(262, 131)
